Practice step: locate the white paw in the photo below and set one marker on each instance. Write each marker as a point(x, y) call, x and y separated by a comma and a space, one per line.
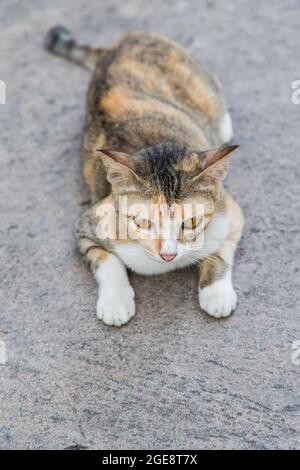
point(117, 306)
point(218, 299)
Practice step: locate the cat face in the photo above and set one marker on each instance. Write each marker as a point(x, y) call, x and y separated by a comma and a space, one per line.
point(166, 231)
point(166, 196)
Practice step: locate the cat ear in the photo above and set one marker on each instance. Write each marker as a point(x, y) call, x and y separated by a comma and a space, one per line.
point(214, 163)
point(119, 168)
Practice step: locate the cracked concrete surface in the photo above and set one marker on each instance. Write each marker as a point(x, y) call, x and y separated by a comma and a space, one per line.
point(173, 377)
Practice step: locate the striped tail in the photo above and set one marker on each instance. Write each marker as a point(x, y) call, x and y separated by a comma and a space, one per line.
point(61, 42)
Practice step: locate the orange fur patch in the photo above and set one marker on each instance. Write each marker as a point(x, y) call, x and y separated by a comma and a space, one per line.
point(96, 256)
point(194, 90)
point(89, 173)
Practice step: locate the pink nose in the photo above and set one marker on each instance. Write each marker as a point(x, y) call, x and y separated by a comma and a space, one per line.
point(168, 256)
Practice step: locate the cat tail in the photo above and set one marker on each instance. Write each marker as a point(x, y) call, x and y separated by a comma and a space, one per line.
point(60, 41)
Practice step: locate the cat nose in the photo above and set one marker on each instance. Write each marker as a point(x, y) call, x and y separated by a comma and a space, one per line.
point(168, 256)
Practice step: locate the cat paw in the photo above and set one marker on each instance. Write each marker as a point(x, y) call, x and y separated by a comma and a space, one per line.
point(116, 307)
point(218, 299)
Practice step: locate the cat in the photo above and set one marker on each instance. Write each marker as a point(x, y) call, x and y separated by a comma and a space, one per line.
point(156, 136)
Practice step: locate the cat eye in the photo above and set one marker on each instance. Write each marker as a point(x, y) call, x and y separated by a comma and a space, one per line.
point(142, 223)
point(191, 223)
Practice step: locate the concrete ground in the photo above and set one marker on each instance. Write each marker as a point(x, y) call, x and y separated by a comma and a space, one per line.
point(173, 377)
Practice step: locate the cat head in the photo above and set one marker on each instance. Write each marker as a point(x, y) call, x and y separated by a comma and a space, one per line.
point(169, 195)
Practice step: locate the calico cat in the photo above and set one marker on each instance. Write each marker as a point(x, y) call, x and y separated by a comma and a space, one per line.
point(155, 134)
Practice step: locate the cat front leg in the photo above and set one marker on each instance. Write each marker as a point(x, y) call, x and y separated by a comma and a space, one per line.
point(217, 296)
point(115, 304)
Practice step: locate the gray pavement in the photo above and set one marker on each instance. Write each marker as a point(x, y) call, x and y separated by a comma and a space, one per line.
point(172, 377)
